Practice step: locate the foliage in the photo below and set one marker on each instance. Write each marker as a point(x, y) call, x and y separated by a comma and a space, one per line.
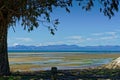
point(31, 13)
point(108, 7)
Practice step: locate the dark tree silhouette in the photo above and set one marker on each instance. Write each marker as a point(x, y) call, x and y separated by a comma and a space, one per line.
point(31, 13)
point(108, 7)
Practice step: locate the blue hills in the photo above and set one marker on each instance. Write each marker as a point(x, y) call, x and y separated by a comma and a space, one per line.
point(63, 48)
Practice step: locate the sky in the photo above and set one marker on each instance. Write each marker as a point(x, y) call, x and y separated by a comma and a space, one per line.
point(78, 27)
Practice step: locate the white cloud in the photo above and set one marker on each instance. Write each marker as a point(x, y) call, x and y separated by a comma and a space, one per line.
point(108, 37)
point(54, 43)
point(24, 39)
point(71, 40)
point(111, 33)
point(89, 39)
point(75, 37)
point(104, 36)
point(51, 43)
point(15, 44)
point(40, 44)
point(104, 33)
point(101, 38)
point(98, 34)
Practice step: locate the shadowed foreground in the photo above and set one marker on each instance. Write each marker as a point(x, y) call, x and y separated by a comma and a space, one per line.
point(54, 74)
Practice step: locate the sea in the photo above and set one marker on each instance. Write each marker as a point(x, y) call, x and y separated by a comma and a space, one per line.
point(84, 51)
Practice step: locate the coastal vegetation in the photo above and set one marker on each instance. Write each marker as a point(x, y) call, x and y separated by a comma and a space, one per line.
point(76, 74)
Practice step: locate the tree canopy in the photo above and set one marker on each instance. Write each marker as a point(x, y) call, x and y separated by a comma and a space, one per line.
point(30, 12)
point(34, 12)
point(108, 7)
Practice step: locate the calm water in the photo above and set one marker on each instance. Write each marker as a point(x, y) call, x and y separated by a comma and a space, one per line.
point(58, 51)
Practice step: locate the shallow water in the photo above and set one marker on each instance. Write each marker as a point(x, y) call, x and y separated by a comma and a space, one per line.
point(61, 60)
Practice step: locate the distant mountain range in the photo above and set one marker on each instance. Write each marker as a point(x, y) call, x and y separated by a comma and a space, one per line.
point(63, 48)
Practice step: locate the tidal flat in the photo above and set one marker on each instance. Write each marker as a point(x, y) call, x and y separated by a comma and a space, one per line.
point(34, 61)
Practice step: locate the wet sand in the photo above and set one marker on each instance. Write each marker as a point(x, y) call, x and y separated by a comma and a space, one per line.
point(32, 61)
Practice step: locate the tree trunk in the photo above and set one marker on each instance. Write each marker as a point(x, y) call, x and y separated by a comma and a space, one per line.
point(4, 63)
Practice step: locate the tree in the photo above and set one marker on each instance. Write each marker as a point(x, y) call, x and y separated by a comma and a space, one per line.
point(31, 13)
